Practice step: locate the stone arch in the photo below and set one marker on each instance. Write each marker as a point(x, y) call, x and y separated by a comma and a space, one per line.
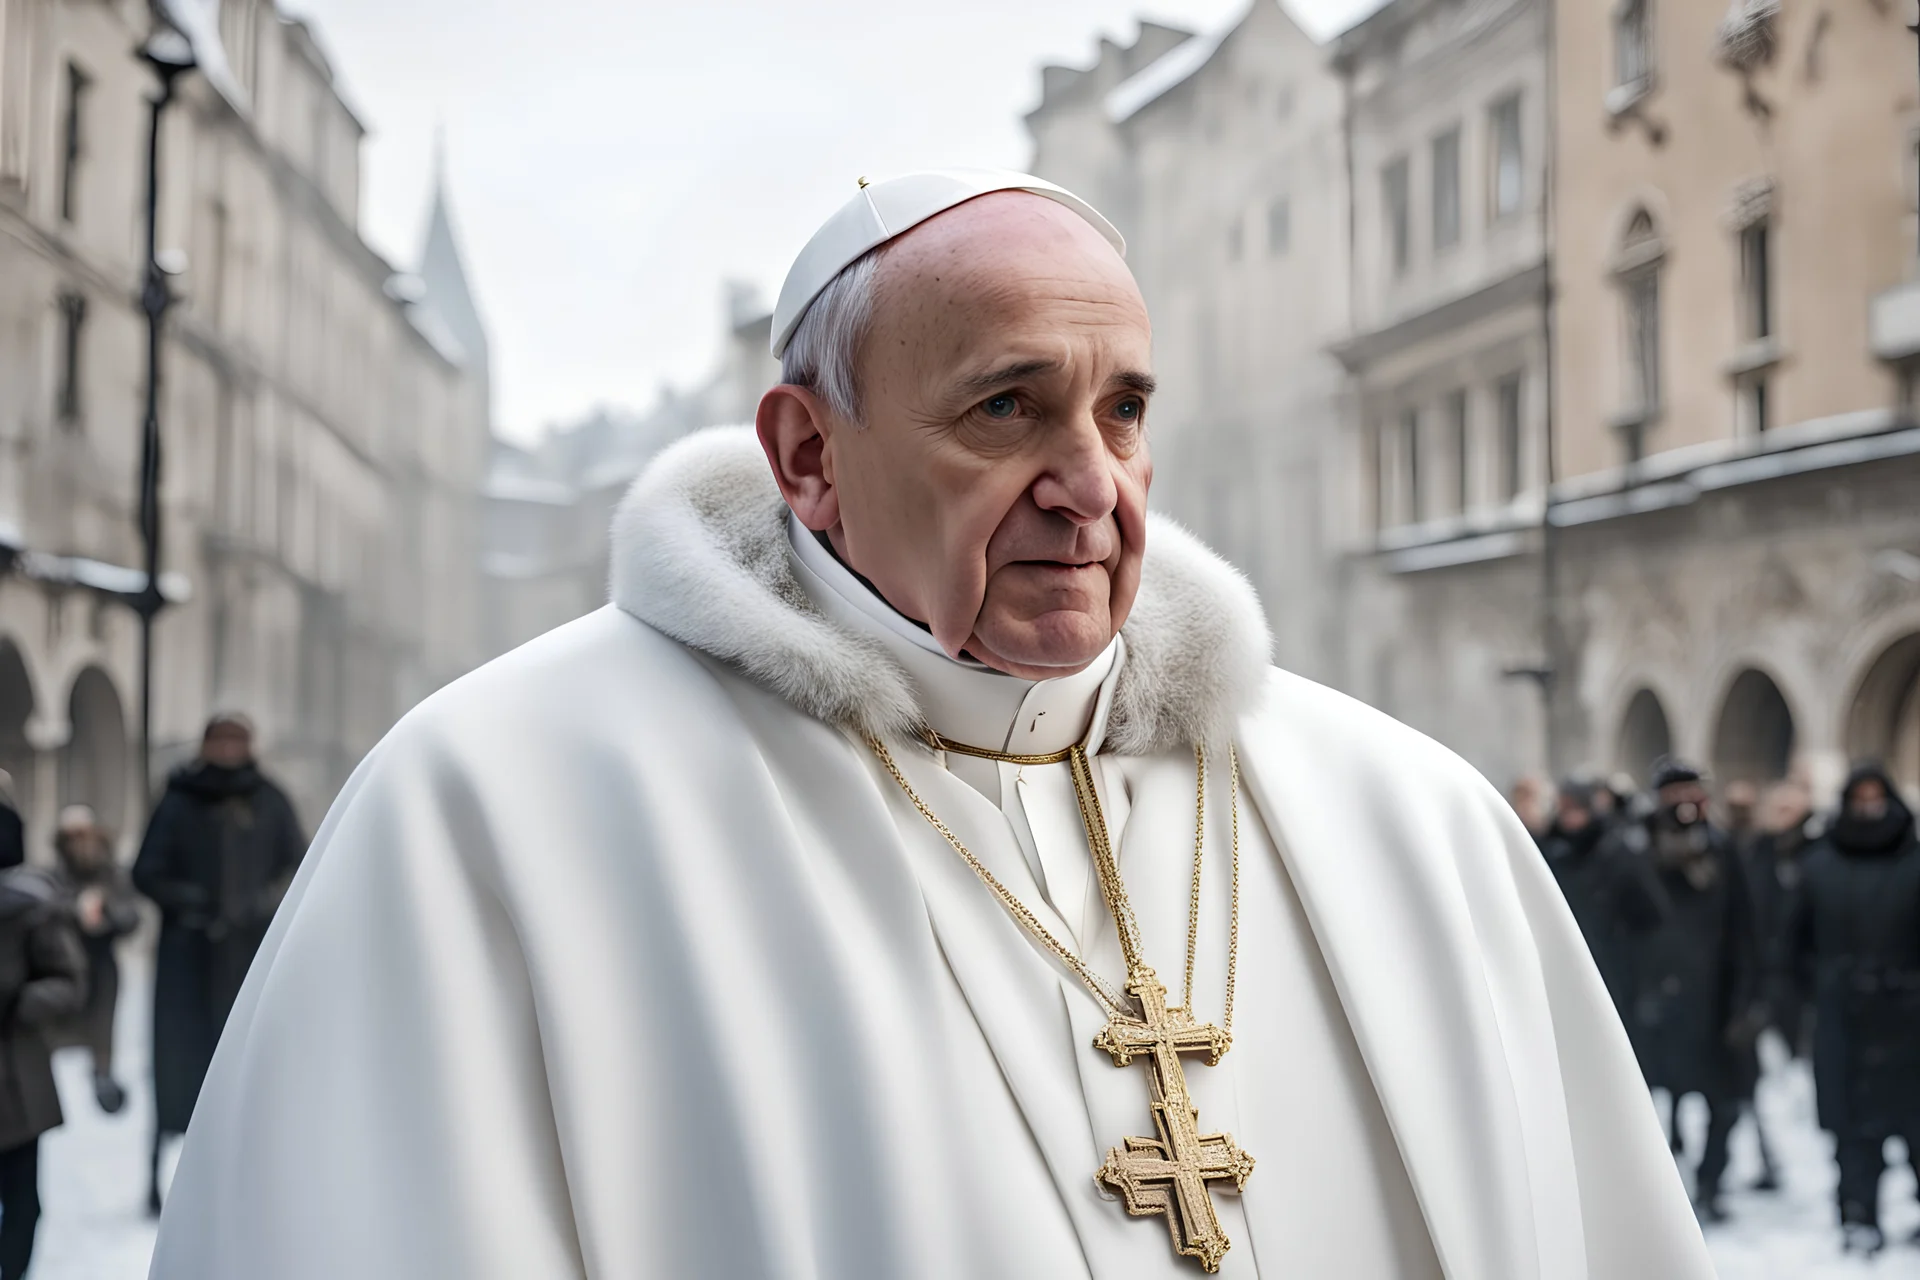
point(94, 762)
point(1753, 737)
point(16, 709)
point(1645, 735)
point(1883, 719)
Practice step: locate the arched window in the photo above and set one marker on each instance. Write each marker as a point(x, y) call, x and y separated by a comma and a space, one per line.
point(1884, 721)
point(1637, 273)
point(93, 768)
point(1753, 741)
point(1644, 736)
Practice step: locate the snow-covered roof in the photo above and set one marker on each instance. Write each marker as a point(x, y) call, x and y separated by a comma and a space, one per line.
point(1159, 77)
point(114, 579)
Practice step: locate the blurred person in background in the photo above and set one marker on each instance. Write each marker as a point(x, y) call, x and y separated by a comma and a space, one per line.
point(13, 834)
point(43, 981)
point(1573, 848)
point(1696, 992)
point(219, 853)
point(101, 897)
point(1855, 933)
point(1789, 827)
point(1528, 796)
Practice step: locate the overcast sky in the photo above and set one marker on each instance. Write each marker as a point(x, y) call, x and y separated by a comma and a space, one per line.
point(613, 162)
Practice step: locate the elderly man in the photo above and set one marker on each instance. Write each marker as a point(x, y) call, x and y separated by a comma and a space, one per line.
point(918, 871)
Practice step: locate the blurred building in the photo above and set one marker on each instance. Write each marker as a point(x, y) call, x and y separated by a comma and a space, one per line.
point(1220, 158)
point(1736, 520)
point(1447, 141)
point(548, 507)
point(1624, 458)
point(326, 420)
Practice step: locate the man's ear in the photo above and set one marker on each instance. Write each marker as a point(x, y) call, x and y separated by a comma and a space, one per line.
point(794, 427)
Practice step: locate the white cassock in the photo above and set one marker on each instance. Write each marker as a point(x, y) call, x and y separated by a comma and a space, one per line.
point(623, 957)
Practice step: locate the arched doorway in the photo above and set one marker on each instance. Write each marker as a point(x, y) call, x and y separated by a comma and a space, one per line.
point(1644, 737)
point(93, 766)
point(1884, 722)
point(1753, 741)
point(16, 707)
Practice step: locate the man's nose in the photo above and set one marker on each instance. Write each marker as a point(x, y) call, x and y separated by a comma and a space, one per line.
point(1078, 481)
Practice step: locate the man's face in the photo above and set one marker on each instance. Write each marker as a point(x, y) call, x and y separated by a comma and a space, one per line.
point(1867, 799)
point(1687, 801)
point(996, 488)
point(1572, 815)
point(227, 745)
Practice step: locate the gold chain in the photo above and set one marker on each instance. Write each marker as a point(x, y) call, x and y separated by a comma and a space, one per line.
point(1112, 887)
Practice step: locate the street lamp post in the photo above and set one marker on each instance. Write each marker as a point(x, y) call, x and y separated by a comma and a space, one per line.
point(170, 56)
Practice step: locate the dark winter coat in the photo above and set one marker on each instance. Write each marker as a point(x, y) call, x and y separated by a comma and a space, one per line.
point(1774, 866)
point(1587, 867)
point(220, 849)
point(1854, 937)
point(13, 837)
point(119, 916)
point(43, 979)
point(1695, 960)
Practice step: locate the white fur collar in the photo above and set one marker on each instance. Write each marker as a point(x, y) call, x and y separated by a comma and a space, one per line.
point(700, 553)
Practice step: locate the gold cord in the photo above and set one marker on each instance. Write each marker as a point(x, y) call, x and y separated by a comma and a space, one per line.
point(1112, 887)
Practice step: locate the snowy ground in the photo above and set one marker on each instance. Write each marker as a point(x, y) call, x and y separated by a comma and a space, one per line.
point(93, 1180)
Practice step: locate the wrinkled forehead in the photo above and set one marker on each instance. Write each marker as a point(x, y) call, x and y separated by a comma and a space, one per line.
point(1007, 271)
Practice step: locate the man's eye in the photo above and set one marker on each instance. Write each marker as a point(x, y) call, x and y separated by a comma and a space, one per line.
point(1001, 407)
point(1130, 409)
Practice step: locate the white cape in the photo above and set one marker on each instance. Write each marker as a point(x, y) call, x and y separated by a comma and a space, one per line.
point(613, 960)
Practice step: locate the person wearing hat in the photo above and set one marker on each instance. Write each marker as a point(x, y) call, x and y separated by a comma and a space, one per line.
point(220, 849)
point(1574, 846)
point(919, 871)
point(100, 894)
point(43, 983)
point(1854, 936)
point(1696, 1006)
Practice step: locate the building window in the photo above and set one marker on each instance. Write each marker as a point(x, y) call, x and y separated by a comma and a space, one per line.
point(1446, 189)
point(1756, 280)
point(1399, 214)
point(1410, 463)
point(1643, 341)
point(1637, 273)
point(1279, 226)
point(71, 143)
point(1509, 396)
point(1632, 43)
point(1754, 408)
point(73, 324)
point(1378, 441)
point(1457, 427)
point(1508, 176)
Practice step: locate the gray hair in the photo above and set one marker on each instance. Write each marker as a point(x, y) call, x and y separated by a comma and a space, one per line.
point(824, 351)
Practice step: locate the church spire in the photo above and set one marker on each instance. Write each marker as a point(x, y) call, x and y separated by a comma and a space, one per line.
point(443, 269)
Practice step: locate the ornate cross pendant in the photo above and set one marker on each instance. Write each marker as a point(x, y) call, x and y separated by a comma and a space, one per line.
point(1169, 1174)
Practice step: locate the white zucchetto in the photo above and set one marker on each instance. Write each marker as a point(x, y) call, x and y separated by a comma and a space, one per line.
point(882, 210)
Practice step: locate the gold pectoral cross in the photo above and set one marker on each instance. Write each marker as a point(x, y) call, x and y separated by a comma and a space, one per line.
point(1169, 1174)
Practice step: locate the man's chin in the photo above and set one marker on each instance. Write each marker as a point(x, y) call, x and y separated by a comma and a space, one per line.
point(1042, 649)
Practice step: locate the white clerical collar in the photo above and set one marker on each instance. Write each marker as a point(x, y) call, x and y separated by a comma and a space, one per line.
point(964, 700)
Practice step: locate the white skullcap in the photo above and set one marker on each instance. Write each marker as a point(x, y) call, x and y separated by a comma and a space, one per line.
point(883, 210)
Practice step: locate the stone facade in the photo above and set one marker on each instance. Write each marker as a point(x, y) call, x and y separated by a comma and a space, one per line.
point(1447, 356)
point(1624, 455)
point(325, 426)
point(1219, 158)
point(1737, 526)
